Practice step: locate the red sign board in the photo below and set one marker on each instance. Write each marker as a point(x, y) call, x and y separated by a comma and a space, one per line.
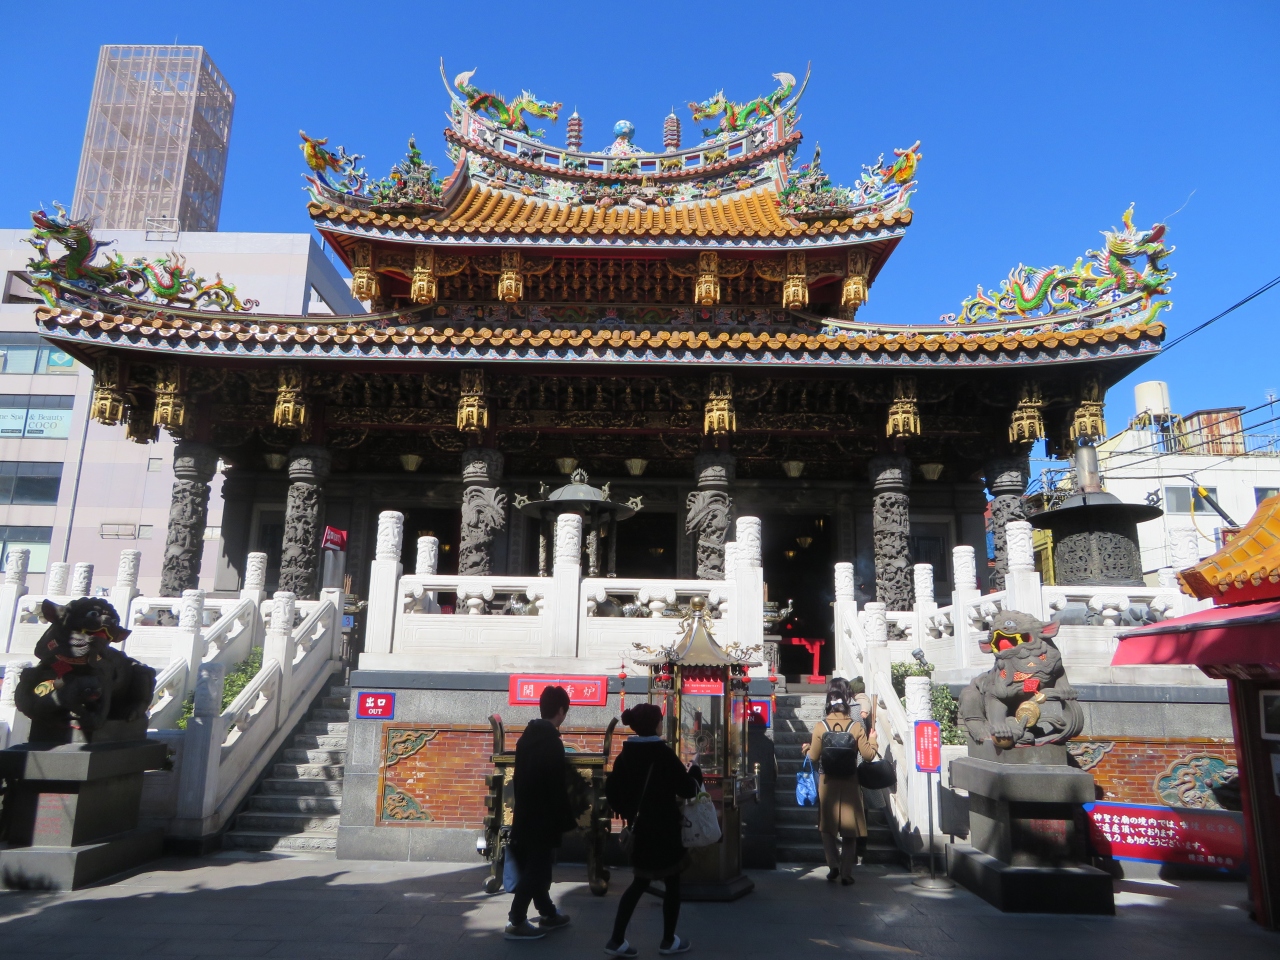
point(583, 691)
point(375, 706)
point(758, 711)
point(333, 539)
point(696, 687)
point(928, 746)
point(1199, 838)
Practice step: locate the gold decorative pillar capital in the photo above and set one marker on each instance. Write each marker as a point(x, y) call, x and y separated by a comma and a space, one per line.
point(171, 405)
point(425, 286)
point(857, 283)
point(795, 287)
point(510, 282)
point(718, 416)
point(706, 289)
point(364, 280)
point(1027, 422)
point(473, 408)
point(291, 400)
point(1087, 420)
point(904, 412)
point(107, 406)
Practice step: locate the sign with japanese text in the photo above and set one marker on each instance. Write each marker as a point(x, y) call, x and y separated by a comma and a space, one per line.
point(758, 711)
point(1198, 838)
point(695, 687)
point(583, 691)
point(333, 539)
point(372, 705)
point(928, 746)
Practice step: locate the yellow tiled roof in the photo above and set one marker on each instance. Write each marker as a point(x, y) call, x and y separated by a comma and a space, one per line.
point(752, 213)
point(1248, 565)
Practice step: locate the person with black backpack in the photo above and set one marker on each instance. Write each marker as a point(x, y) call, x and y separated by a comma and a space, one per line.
point(838, 741)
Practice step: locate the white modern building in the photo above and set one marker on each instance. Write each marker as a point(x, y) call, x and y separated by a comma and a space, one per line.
point(74, 490)
point(1163, 458)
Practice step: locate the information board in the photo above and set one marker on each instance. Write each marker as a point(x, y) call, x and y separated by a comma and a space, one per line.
point(928, 746)
point(524, 689)
point(1199, 838)
point(375, 705)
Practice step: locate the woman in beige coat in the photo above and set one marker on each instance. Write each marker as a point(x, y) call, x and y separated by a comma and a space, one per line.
point(841, 820)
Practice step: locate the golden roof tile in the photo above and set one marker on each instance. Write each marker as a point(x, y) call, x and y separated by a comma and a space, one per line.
point(1248, 565)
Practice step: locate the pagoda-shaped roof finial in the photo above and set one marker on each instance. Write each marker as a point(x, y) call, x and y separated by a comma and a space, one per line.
point(671, 132)
point(573, 132)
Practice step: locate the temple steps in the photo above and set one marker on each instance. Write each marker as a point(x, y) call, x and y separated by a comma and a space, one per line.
point(297, 808)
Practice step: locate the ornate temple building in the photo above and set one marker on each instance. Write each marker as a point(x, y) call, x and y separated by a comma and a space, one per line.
point(681, 322)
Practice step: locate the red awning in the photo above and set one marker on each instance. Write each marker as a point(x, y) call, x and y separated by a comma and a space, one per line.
point(1248, 633)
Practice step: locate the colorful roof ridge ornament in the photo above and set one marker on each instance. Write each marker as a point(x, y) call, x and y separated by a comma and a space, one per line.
point(1109, 287)
point(74, 278)
point(809, 195)
point(504, 114)
point(736, 117)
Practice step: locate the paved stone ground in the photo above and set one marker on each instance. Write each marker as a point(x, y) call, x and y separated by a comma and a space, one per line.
point(259, 905)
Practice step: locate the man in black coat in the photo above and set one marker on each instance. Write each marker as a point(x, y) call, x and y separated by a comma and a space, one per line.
point(542, 814)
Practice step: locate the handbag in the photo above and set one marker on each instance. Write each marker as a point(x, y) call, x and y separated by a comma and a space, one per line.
point(806, 788)
point(877, 774)
point(627, 835)
point(701, 826)
point(510, 871)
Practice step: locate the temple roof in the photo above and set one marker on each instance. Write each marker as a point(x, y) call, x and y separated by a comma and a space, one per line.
point(1247, 568)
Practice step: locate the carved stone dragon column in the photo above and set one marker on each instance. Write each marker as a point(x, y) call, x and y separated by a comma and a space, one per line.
point(1006, 481)
point(193, 466)
point(707, 517)
point(484, 510)
point(300, 552)
point(891, 531)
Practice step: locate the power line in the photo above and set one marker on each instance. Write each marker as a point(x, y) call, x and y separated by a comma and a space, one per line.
point(1231, 309)
point(1204, 442)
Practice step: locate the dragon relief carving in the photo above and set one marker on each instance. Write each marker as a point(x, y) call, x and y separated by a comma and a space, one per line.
point(484, 513)
point(707, 519)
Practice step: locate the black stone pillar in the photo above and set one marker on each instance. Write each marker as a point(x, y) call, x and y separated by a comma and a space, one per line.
point(891, 531)
point(300, 552)
point(707, 511)
point(484, 510)
point(1006, 481)
point(193, 466)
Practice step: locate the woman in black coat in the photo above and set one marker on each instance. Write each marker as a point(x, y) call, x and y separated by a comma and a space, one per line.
point(643, 787)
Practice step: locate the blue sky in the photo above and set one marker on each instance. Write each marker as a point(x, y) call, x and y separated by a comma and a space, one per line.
point(1040, 122)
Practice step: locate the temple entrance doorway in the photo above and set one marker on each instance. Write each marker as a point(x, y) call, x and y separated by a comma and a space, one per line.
point(798, 553)
point(648, 545)
point(443, 523)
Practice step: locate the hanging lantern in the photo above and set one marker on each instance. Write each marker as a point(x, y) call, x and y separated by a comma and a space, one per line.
point(904, 412)
point(1027, 422)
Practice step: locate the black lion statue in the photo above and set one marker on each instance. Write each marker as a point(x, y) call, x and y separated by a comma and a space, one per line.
point(1025, 699)
point(81, 680)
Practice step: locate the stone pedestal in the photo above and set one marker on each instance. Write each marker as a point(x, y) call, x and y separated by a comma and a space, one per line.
point(1028, 850)
point(73, 812)
point(1006, 481)
point(300, 551)
point(193, 467)
point(891, 530)
point(707, 512)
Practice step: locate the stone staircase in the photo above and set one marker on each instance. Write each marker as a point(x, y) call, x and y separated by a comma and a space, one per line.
point(297, 807)
point(796, 827)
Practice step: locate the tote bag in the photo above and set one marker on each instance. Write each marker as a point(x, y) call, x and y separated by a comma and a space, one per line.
point(701, 828)
point(510, 872)
point(806, 789)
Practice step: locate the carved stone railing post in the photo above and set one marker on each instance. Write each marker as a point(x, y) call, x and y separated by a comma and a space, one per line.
point(82, 580)
point(126, 586)
point(58, 579)
point(919, 706)
point(15, 726)
point(16, 562)
point(300, 552)
point(964, 591)
point(1183, 548)
point(924, 606)
point(707, 512)
point(384, 582)
point(891, 531)
point(875, 626)
point(566, 577)
point(188, 640)
point(1006, 481)
point(202, 751)
point(428, 557)
point(484, 511)
point(1022, 583)
point(281, 646)
point(848, 654)
point(193, 467)
point(255, 578)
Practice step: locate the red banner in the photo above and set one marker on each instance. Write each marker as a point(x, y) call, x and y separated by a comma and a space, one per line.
point(583, 691)
point(928, 746)
point(333, 539)
point(1198, 838)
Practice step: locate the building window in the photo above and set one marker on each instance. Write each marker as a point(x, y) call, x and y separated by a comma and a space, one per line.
point(35, 415)
point(27, 353)
point(117, 531)
point(1180, 499)
point(1264, 493)
point(213, 533)
point(18, 289)
point(155, 465)
point(144, 531)
point(29, 483)
point(35, 539)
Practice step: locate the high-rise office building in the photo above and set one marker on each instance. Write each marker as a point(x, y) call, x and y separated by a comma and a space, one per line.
point(155, 146)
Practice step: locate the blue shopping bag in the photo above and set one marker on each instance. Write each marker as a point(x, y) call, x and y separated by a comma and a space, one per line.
point(510, 871)
point(806, 786)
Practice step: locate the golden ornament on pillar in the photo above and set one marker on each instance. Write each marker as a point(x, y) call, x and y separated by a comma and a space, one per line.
point(364, 281)
point(1087, 421)
point(171, 407)
point(291, 402)
point(795, 288)
point(1027, 422)
point(140, 425)
point(853, 291)
point(425, 286)
point(904, 412)
point(706, 289)
point(473, 409)
point(107, 406)
point(718, 416)
point(510, 283)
